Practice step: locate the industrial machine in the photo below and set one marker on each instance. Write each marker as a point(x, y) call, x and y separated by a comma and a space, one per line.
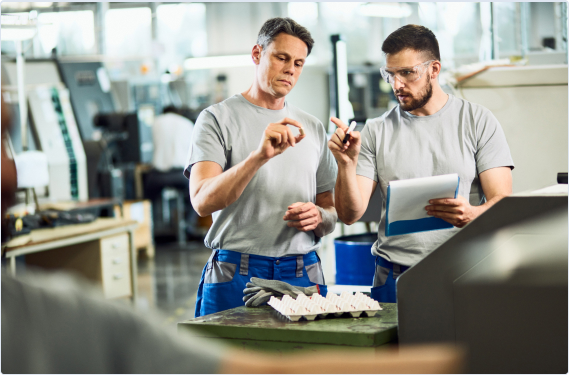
point(139, 93)
point(115, 141)
point(498, 287)
point(59, 139)
point(54, 129)
point(90, 89)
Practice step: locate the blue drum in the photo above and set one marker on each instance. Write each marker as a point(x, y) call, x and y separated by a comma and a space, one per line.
point(354, 263)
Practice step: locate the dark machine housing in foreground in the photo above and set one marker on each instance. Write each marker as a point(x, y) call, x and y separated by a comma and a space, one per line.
point(498, 287)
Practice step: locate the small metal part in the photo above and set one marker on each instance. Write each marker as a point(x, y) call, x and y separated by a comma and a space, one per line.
point(301, 131)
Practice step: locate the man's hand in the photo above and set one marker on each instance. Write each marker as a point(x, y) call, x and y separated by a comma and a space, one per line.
point(277, 138)
point(457, 211)
point(303, 216)
point(345, 153)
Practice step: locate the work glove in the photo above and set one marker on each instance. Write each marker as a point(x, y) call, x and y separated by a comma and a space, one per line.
point(259, 291)
point(256, 296)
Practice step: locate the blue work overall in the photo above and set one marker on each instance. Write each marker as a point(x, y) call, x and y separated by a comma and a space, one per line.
point(226, 273)
point(385, 279)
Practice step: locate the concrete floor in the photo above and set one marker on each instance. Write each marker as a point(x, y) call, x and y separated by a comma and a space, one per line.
point(169, 282)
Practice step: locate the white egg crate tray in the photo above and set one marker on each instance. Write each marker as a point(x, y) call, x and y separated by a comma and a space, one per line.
point(357, 305)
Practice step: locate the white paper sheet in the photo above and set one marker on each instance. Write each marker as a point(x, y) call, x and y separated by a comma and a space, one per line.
point(408, 198)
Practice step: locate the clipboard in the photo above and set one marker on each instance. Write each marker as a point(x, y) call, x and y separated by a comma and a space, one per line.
point(406, 201)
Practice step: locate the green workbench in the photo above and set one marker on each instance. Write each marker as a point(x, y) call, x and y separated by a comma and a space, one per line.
point(263, 328)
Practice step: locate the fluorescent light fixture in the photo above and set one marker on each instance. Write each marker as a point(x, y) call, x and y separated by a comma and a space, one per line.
point(15, 33)
point(214, 62)
point(18, 27)
point(42, 4)
point(388, 10)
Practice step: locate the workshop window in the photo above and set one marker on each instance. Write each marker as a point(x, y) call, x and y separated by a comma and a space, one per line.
point(181, 33)
point(508, 28)
point(457, 28)
point(72, 33)
point(128, 32)
point(305, 13)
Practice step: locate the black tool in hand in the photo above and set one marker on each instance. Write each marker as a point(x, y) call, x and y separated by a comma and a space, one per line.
point(352, 127)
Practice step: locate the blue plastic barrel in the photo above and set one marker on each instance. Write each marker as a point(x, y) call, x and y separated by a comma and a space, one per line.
point(354, 263)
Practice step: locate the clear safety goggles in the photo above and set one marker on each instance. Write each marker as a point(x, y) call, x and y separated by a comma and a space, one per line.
point(404, 74)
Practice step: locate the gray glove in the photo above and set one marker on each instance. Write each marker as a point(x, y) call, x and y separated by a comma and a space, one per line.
point(278, 288)
point(259, 291)
point(256, 296)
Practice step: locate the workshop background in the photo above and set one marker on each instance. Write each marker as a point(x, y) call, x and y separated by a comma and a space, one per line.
point(87, 84)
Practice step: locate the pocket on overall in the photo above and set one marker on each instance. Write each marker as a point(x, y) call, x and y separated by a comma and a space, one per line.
point(219, 272)
point(383, 289)
point(222, 288)
point(380, 276)
point(315, 274)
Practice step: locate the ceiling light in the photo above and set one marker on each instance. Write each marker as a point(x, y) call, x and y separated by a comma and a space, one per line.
point(388, 10)
point(42, 5)
point(15, 33)
point(17, 27)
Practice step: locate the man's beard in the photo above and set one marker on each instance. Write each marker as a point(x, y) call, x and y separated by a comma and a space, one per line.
point(424, 97)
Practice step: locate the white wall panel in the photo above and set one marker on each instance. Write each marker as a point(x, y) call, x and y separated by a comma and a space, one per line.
point(534, 119)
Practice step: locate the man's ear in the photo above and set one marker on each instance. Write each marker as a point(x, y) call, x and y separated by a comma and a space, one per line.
point(256, 54)
point(436, 69)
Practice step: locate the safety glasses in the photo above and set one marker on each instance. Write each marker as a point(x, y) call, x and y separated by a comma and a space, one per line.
point(404, 74)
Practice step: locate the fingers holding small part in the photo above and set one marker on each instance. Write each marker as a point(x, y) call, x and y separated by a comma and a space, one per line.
point(289, 121)
point(301, 132)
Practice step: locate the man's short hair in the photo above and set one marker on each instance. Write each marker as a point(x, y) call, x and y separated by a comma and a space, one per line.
point(275, 26)
point(415, 37)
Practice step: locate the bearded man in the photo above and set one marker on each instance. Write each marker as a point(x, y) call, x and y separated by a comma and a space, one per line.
point(429, 133)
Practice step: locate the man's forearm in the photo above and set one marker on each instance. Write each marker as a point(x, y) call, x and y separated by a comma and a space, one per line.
point(347, 194)
point(218, 192)
point(329, 219)
point(489, 203)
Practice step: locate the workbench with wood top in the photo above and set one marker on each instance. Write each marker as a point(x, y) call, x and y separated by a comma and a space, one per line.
point(102, 251)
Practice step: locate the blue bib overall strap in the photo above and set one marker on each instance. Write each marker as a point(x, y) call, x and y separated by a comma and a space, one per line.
point(226, 273)
point(385, 279)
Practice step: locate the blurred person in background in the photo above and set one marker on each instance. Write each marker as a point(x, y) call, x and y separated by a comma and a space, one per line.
point(56, 323)
point(172, 136)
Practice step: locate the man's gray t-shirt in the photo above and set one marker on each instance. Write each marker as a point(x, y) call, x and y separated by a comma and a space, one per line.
point(226, 133)
point(462, 137)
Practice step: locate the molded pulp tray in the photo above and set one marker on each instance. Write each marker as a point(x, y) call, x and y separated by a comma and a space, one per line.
point(347, 304)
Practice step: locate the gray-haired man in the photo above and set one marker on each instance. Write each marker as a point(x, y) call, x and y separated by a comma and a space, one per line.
point(263, 169)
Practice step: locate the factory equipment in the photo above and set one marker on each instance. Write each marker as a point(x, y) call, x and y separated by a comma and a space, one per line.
point(58, 138)
point(54, 128)
point(126, 139)
point(135, 94)
point(340, 106)
point(90, 90)
point(369, 94)
point(132, 133)
point(114, 141)
point(498, 287)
